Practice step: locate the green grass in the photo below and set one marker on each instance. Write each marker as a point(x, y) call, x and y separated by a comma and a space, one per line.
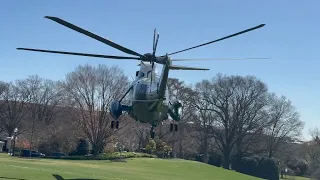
point(134, 169)
point(295, 178)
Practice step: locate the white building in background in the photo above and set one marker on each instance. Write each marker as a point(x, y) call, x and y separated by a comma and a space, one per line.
point(1, 145)
point(5, 143)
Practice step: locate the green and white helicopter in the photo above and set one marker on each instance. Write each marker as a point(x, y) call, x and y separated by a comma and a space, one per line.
point(148, 94)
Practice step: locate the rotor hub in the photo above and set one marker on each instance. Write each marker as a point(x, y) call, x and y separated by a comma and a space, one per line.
point(148, 56)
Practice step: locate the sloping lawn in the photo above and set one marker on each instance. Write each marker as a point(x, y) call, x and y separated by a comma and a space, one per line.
point(133, 169)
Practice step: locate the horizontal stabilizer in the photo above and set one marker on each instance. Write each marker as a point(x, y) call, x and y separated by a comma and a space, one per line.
point(174, 67)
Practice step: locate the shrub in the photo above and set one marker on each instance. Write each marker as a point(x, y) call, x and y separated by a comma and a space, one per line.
point(316, 175)
point(236, 162)
point(215, 158)
point(268, 169)
point(125, 155)
point(107, 156)
point(299, 167)
point(249, 165)
point(190, 156)
point(257, 158)
point(82, 148)
point(151, 146)
point(199, 157)
point(162, 149)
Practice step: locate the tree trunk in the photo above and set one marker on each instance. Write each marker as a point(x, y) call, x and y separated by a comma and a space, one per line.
point(97, 148)
point(174, 154)
point(236, 163)
point(226, 158)
point(270, 152)
point(205, 151)
point(180, 149)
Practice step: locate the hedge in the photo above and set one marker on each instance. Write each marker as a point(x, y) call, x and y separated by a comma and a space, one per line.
point(106, 156)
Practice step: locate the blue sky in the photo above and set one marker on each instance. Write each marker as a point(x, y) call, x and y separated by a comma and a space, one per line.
point(290, 38)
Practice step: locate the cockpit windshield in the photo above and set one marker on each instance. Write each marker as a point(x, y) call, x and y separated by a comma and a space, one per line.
point(140, 74)
point(154, 75)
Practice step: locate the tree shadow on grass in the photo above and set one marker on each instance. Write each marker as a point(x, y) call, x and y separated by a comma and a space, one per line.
point(1, 177)
point(58, 177)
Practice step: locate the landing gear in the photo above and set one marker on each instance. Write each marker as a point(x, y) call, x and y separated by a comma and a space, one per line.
point(116, 109)
point(152, 132)
point(114, 124)
point(173, 127)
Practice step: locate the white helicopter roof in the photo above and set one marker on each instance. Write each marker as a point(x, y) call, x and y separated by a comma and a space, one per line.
point(146, 67)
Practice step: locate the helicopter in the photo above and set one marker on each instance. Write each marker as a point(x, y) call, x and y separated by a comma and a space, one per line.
point(148, 94)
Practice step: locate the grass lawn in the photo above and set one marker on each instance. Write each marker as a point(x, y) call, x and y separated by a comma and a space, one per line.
point(16, 168)
point(295, 178)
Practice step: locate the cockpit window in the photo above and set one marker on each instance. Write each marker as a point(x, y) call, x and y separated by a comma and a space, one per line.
point(141, 74)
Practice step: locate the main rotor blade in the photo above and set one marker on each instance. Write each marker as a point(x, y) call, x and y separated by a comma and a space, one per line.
point(154, 39)
point(175, 67)
point(79, 54)
point(241, 32)
point(208, 59)
point(94, 36)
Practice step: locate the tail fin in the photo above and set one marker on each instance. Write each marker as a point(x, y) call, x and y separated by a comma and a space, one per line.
point(174, 67)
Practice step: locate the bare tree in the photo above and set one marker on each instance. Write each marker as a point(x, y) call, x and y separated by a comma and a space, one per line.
point(179, 91)
point(3, 87)
point(315, 133)
point(310, 152)
point(127, 136)
point(285, 125)
point(234, 105)
point(13, 108)
point(91, 90)
point(141, 131)
point(41, 100)
point(203, 119)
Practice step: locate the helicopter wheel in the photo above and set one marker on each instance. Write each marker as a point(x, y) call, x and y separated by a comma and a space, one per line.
point(114, 124)
point(173, 126)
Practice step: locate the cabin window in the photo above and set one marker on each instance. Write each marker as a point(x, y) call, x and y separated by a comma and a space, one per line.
point(137, 73)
